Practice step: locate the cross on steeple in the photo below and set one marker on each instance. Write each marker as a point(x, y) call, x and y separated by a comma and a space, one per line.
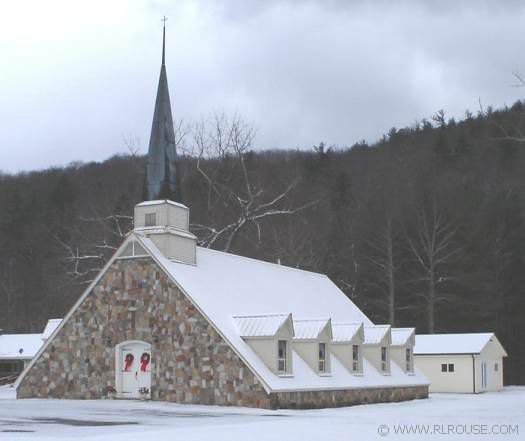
point(164, 19)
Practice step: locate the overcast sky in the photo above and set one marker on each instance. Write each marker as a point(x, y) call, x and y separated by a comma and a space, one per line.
point(77, 77)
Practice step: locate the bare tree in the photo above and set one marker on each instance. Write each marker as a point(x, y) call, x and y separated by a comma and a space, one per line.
point(383, 260)
point(433, 248)
point(228, 140)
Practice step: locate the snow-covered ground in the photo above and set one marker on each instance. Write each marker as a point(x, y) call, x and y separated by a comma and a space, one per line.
point(133, 420)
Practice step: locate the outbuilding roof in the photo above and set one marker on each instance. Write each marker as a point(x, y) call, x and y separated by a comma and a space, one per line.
point(19, 346)
point(454, 343)
point(51, 325)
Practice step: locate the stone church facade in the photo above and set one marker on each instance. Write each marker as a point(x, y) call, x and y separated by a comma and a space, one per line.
point(191, 363)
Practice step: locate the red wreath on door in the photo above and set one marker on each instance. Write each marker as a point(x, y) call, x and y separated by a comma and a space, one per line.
point(144, 361)
point(128, 361)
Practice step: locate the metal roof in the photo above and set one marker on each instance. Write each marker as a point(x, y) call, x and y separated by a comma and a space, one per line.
point(375, 334)
point(455, 343)
point(310, 329)
point(401, 336)
point(161, 173)
point(345, 332)
point(260, 325)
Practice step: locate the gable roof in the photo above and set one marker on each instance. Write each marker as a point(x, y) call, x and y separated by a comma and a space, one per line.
point(311, 329)
point(260, 325)
point(345, 332)
point(19, 346)
point(454, 343)
point(402, 336)
point(223, 286)
point(375, 334)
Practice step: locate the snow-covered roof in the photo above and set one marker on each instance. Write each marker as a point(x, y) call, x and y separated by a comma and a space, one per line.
point(223, 285)
point(454, 343)
point(166, 229)
point(19, 346)
point(161, 201)
point(260, 325)
point(375, 334)
point(345, 332)
point(310, 329)
point(402, 336)
point(51, 325)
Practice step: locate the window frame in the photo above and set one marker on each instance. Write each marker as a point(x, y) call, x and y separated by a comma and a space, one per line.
point(409, 360)
point(355, 358)
point(451, 367)
point(284, 358)
point(444, 367)
point(321, 365)
point(148, 219)
point(384, 359)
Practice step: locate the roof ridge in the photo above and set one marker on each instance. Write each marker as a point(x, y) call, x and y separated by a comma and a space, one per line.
point(313, 320)
point(284, 267)
point(261, 315)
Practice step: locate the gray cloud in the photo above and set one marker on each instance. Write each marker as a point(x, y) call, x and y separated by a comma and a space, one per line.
point(77, 77)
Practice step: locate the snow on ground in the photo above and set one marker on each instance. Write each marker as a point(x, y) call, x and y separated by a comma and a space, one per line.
point(118, 420)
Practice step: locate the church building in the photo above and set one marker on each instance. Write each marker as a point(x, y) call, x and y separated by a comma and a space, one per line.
point(168, 320)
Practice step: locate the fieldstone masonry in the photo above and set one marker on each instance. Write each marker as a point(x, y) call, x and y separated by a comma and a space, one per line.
point(191, 363)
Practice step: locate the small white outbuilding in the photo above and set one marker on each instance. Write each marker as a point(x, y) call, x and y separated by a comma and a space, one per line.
point(461, 363)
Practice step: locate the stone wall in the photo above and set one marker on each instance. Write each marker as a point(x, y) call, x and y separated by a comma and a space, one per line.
point(347, 397)
point(191, 363)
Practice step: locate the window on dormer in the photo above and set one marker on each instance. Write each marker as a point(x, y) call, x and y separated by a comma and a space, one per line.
point(384, 363)
point(150, 219)
point(322, 357)
point(281, 356)
point(355, 358)
point(408, 359)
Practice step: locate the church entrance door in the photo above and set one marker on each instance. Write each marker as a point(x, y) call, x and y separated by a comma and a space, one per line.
point(133, 369)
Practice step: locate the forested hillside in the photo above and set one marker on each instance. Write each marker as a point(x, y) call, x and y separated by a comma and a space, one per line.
point(424, 228)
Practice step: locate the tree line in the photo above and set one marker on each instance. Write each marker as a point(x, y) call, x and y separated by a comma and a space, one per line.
point(423, 228)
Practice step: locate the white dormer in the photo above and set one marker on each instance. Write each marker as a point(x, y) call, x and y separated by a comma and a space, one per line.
point(376, 347)
point(167, 224)
point(269, 336)
point(402, 349)
point(347, 345)
point(311, 340)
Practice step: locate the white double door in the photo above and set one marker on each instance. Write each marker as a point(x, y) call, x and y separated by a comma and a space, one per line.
point(135, 368)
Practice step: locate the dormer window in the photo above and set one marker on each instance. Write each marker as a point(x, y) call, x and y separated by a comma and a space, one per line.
point(322, 357)
point(355, 358)
point(281, 356)
point(384, 363)
point(150, 219)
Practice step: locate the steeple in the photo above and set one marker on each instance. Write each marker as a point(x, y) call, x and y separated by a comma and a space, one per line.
point(161, 173)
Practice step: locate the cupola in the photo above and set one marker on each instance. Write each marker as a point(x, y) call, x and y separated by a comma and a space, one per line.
point(167, 224)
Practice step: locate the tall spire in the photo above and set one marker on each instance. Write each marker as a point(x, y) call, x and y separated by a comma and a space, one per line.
point(161, 173)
